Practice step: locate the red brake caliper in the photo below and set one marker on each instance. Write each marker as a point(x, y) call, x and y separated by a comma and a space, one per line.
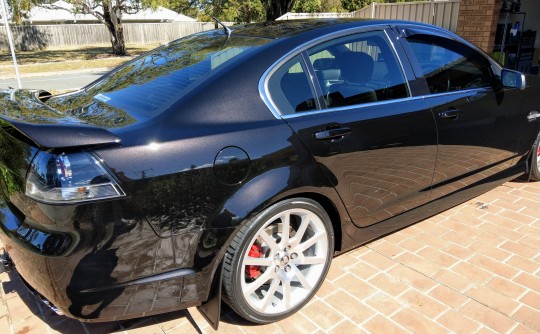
point(254, 271)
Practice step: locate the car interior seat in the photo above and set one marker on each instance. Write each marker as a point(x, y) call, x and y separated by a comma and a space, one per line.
point(356, 71)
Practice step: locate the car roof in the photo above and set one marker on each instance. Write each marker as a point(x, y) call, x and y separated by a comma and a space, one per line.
point(281, 29)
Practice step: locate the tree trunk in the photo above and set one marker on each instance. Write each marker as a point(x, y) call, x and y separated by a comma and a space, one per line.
point(276, 8)
point(112, 19)
point(118, 42)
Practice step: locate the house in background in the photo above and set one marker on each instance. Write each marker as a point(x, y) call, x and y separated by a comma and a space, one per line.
point(61, 12)
point(505, 29)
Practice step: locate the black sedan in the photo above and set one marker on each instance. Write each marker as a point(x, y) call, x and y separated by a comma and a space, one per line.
point(233, 165)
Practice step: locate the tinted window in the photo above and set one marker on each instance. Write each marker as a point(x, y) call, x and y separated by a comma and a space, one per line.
point(153, 82)
point(290, 88)
point(448, 65)
point(358, 69)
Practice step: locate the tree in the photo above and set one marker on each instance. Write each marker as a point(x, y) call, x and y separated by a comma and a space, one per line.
point(276, 8)
point(18, 8)
point(108, 12)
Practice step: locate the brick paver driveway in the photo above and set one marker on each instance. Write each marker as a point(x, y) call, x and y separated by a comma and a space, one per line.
point(472, 269)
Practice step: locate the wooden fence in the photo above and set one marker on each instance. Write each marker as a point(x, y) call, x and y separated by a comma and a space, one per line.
point(33, 37)
point(442, 13)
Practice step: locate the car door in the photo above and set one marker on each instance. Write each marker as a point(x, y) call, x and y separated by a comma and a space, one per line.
point(374, 141)
point(478, 127)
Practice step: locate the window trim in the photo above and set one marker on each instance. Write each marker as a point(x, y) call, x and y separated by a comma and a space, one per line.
point(263, 81)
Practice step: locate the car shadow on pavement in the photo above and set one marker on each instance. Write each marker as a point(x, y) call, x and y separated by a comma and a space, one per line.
point(28, 313)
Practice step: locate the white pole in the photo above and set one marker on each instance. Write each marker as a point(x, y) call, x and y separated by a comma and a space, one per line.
point(373, 10)
point(432, 11)
point(10, 40)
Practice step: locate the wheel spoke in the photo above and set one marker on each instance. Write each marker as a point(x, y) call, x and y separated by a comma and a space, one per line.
point(258, 261)
point(306, 219)
point(270, 294)
point(310, 242)
point(312, 260)
point(285, 227)
point(302, 279)
point(252, 287)
point(269, 240)
point(286, 293)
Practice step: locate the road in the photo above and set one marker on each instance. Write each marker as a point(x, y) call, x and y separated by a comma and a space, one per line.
point(64, 81)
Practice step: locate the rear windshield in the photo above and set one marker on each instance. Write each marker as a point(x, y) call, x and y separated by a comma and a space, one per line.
point(149, 84)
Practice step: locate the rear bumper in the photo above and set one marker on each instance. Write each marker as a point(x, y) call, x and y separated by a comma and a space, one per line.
point(106, 269)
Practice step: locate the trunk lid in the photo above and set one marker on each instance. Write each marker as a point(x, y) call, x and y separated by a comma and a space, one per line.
point(25, 115)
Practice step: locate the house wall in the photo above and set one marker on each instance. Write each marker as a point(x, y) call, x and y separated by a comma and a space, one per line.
point(477, 22)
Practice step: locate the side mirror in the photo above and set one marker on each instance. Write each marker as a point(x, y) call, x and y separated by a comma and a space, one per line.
point(513, 79)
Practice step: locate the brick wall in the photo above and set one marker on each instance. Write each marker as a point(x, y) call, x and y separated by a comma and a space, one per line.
point(477, 22)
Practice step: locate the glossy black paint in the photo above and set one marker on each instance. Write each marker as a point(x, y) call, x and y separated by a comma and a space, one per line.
point(216, 157)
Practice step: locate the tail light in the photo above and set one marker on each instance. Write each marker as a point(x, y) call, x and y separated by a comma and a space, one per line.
point(69, 178)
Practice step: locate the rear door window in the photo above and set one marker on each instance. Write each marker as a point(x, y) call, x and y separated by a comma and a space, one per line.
point(357, 69)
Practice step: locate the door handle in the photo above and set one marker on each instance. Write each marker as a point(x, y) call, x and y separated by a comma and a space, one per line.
point(332, 133)
point(451, 113)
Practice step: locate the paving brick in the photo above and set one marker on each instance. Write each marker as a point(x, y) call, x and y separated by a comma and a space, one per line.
point(381, 324)
point(505, 287)
point(412, 278)
point(388, 284)
point(419, 264)
point(457, 322)
point(490, 318)
point(364, 270)
point(491, 251)
point(528, 280)
point(457, 251)
point(529, 316)
point(521, 329)
point(448, 296)
point(453, 280)
point(378, 261)
point(456, 238)
point(326, 289)
point(493, 299)
point(386, 248)
point(438, 257)
point(520, 249)
point(531, 299)
point(491, 266)
point(32, 325)
point(322, 315)
point(350, 307)
point(383, 303)
point(357, 287)
point(522, 263)
point(417, 323)
point(422, 303)
point(346, 327)
point(298, 323)
point(472, 272)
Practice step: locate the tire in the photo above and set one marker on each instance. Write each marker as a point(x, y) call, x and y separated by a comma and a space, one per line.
point(269, 275)
point(535, 160)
